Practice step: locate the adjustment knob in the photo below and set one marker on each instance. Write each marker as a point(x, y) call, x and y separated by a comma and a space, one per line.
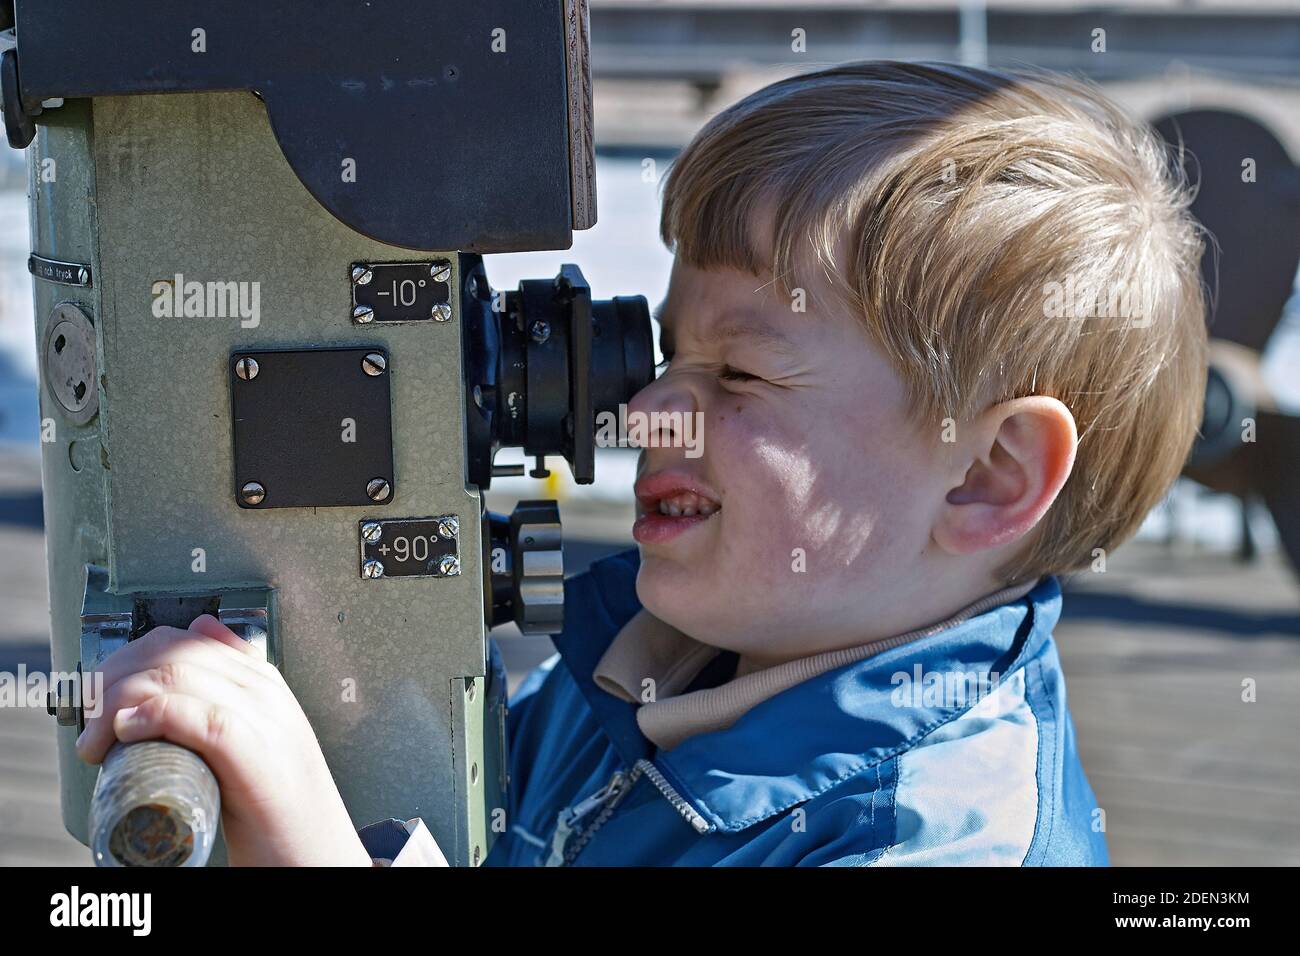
point(526, 567)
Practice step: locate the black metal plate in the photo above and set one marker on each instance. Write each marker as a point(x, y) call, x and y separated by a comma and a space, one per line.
point(288, 424)
point(401, 291)
point(409, 547)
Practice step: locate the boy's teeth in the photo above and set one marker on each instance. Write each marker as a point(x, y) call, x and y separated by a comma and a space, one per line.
point(687, 505)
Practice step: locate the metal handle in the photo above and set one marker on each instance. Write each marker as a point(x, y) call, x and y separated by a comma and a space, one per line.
point(155, 804)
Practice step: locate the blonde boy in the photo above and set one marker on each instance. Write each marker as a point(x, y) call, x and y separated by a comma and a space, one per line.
point(944, 329)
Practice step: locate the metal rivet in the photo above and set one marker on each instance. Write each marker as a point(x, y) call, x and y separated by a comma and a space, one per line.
point(541, 331)
point(448, 526)
point(374, 363)
point(253, 493)
point(377, 489)
point(440, 270)
point(441, 312)
point(448, 565)
point(361, 275)
point(372, 569)
point(363, 313)
point(247, 368)
point(372, 531)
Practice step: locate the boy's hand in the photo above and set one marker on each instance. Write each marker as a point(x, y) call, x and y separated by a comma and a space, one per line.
point(207, 690)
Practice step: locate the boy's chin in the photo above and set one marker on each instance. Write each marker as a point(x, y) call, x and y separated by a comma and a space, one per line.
point(691, 604)
point(673, 591)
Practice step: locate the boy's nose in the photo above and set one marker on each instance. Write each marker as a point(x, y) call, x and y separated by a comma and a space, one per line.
point(655, 403)
point(663, 395)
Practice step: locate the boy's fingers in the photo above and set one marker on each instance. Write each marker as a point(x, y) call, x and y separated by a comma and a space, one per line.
point(209, 626)
point(216, 733)
point(170, 643)
point(169, 677)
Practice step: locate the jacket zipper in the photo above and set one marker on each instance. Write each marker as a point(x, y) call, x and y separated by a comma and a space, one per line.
point(568, 841)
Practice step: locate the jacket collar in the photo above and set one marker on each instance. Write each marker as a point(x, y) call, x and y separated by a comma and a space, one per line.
point(833, 726)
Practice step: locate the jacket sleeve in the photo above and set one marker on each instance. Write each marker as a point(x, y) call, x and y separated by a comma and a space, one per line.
point(970, 792)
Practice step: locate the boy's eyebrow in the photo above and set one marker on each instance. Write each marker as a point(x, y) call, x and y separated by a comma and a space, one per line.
point(733, 323)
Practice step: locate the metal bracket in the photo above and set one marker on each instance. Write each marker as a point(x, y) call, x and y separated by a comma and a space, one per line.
point(109, 621)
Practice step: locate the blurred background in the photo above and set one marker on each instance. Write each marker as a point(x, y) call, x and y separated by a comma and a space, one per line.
point(1158, 648)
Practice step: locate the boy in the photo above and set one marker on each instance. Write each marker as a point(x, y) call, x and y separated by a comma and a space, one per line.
point(943, 330)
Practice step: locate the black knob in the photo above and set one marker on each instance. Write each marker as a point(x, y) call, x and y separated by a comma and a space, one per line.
point(525, 567)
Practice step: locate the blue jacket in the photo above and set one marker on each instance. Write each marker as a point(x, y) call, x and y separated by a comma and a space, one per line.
point(863, 765)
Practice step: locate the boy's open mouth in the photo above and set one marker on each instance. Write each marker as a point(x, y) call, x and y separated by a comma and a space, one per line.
point(687, 503)
point(669, 503)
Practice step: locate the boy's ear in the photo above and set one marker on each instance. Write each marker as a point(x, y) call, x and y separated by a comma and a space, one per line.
point(1015, 458)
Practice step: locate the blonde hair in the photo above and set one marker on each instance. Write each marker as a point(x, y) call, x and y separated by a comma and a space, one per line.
point(966, 217)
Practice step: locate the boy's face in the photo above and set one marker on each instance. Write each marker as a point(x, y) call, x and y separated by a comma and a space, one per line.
point(815, 493)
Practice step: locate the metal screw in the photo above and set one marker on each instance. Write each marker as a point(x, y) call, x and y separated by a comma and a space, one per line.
point(83, 275)
point(363, 314)
point(441, 312)
point(377, 489)
point(449, 526)
point(372, 569)
point(440, 270)
point(253, 493)
point(361, 275)
point(449, 564)
point(374, 363)
point(541, 330)
point(372, 531)
point(247, 368)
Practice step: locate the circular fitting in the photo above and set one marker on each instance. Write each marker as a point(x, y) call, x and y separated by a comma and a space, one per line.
point(372, 569)
point(372, 531)
point(374, 364)
point(441, 312)
point(440, 270)
point(363, 314)
point(68, 355)
point(247, 368)
point(378, 489)
point(361, 275)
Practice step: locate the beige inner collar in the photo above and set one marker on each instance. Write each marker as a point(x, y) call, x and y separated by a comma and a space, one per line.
point(650, 663)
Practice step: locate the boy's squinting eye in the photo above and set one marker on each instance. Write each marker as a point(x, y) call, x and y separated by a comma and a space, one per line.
point(736, 375)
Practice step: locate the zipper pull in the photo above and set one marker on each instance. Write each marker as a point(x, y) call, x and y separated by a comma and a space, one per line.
point(591, 803)
point(569, 819)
